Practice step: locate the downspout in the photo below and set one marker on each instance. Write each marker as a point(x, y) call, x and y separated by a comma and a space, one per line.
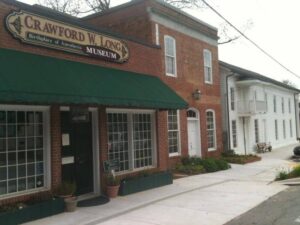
point(297, 115)
point(228, 118)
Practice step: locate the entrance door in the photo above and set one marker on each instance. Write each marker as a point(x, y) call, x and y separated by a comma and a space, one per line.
point(193, 133)
point(77, 153)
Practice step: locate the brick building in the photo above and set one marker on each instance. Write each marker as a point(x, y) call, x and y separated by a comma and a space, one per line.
point(139, 83)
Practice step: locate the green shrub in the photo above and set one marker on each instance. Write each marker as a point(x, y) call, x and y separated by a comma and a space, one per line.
point(229, 153)
point(190, 169)
point(282, 175)
point(222, 164)
point(210, 165)
point(295, 172)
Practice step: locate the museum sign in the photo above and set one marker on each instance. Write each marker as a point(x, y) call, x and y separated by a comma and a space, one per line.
point(38, 30)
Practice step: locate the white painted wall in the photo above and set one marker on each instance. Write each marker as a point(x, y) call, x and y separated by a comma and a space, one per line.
point(264, 92)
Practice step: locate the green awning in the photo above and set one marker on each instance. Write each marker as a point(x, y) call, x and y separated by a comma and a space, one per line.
point(29, 78)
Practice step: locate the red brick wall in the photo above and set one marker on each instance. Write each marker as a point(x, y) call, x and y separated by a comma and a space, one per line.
point(142, 59)
point(190, 69)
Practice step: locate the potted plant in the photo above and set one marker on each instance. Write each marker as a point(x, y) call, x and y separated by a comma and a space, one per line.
point(112, 185)
point(66, 191)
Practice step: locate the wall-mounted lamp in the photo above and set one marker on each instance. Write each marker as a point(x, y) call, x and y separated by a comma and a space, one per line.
point(196, 94)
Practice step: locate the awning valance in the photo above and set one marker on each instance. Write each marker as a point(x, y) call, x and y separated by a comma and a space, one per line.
point(29, 78)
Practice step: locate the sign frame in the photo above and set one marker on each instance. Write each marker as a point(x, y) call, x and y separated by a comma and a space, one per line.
point(39, 30)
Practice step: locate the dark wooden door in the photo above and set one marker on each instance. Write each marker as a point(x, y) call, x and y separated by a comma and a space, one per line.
point(80, 148)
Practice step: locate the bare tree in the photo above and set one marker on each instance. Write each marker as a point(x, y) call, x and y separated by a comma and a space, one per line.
point(77, 7)
point(71, 7)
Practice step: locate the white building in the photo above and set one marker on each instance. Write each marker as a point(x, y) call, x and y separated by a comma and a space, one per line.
point(257, 109)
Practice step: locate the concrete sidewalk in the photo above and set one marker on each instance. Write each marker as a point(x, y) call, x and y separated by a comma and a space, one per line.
point(209, 199)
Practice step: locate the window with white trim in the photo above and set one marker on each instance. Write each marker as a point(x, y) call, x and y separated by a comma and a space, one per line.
point(211, 129)
point(290, 106)
point(256, 130)
point(284, 129)
point(173, 132)
point(275, 104)
point(282, 104)
point(170, 56)
point(130, 139)
point(276, 129)
point(22, 151)
point(232, 98)
point(291, 128)
point(234, 133)
point(207, 66)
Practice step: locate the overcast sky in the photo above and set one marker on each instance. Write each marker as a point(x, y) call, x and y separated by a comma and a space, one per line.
point(275, 27)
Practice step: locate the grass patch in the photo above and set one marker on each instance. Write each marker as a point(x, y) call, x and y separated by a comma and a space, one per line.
point(196, 165)
point(283, 175)
point(232, 157)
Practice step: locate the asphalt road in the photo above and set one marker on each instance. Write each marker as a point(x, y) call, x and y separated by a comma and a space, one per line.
point(281, 209)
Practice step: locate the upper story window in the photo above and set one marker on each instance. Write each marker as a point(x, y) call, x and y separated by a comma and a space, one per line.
point(282, 104)
point(170, 56)
point(232, 98)
point(207, 66)
point(290, 106)
point(275, 104)
point(211, 130)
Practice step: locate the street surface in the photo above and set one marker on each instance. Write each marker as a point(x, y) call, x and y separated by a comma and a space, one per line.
point(281, 209)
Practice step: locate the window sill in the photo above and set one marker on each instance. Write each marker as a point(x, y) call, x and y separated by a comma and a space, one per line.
point(27, 192)
point(212, 149)
point(210, 83)
point(174, 154)
point(171, 75)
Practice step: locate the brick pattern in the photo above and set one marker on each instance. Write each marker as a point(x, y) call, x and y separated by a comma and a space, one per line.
point(143, 59)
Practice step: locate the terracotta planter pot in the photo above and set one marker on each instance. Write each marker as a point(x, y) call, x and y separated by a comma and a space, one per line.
point(112, 191)
point(70, 204)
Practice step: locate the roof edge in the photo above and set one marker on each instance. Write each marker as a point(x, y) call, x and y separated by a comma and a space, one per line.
point(256, 75)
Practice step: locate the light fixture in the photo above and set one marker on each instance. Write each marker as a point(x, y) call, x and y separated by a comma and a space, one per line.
point(196, 94)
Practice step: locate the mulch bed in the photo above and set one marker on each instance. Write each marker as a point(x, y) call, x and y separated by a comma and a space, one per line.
point(242, 159)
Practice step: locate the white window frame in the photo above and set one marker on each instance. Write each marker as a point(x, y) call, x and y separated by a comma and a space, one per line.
point(206, 51)
point(282, 105)
point(256, 131)
point(178, 135)
point(232, 98)
point(47, 147)
point(276, 129)
point(284, 129)
point(234, 134)
point(275, 103)
point(173, 56)
point(290, 111)
point(291, 128)
point(130, 138)
point(215, 129)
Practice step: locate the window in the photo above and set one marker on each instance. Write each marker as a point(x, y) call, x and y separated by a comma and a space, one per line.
point(207, 66)
point(170, 56)
point(266, 100)
point(22, 151)
point(234, 135)
point(211, 130)
point(290, 106)
point(282, 104)
point(232, 98)
point(275, 104)
point(130, 139)
point(291, 128)
point(256, 130)
point(284, 131)
point(276, 130)
point(173, 132)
